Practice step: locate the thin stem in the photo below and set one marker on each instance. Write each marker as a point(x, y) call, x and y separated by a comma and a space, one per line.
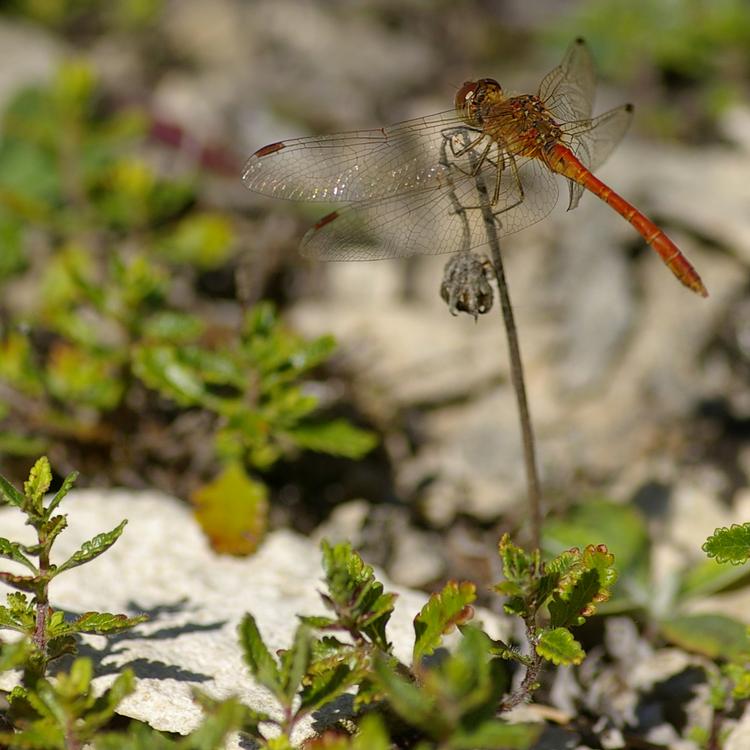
point(516, 364)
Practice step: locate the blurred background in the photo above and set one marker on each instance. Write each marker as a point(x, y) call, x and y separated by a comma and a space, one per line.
point(139, 344)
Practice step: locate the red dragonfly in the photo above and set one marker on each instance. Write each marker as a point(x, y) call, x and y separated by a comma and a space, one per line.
point(420, 186)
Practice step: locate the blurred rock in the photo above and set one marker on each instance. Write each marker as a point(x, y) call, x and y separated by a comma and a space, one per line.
point(30, 55)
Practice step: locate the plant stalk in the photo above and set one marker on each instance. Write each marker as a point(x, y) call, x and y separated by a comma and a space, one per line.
point(516, 363)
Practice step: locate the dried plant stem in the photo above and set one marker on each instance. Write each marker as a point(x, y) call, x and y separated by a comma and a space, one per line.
point(516, 366)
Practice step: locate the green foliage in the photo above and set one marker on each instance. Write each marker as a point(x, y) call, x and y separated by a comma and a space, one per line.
point(71, 15)
point(361, 607)
point(105, 245)
point(569, 586)
point(443, 611)
point(64, 712)
point(47, 630)
point(665, 607)
point(452, 702)
point(703, 45)
point(729, 545)
point(456, 699)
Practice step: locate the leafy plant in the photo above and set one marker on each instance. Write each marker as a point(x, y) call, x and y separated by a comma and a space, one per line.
point(103, 359)
point(665, 607)
point(450, 700)
point(49, 633)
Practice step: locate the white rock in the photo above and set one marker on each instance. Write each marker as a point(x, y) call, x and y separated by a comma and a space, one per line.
point(163, 566)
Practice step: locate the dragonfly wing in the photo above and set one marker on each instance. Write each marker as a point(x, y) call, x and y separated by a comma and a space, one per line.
point(593, 141)
point(434, 221)
point(568, 90)
point(356, 166)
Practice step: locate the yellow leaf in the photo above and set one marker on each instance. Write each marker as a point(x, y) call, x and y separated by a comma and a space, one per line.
point(232, 511)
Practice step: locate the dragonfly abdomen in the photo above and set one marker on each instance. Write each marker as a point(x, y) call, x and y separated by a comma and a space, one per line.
point(562, 160)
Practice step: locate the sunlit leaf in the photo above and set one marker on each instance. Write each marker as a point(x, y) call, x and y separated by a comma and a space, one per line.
point(559, 647)
point(232, 511)
point(442, 612)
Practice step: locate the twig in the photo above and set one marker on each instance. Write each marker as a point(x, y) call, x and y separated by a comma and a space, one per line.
point(516, 364)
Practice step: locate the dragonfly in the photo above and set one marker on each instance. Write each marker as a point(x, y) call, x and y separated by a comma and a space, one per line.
point(425, 186)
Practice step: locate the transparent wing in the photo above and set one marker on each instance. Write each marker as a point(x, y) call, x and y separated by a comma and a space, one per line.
point(592, 141)
point(442, 219)
point(568, 90)
point(356, 166)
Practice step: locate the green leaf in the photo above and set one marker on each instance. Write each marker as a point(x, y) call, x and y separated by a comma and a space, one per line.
point(442, 612)
point(710, 577)
point(232, 511)
point(102, 623)
point(91, 549)
point(14, 655)
point(12, 551)
point(9, 495)
point(295, 662)
point(713, 635)
point(410, 702)
point(325, 687)
point(163, 368)
point(729, 545)
point(338, 438)
point(23, 583)
point(620, 527)
point(40, 478)
point(66, 487)
point(568, 609)
point(518, 566)
point(559, 647)
point(496, 735)
point(172, 327)
point(355, 595)
point(258, 658)
point(203, 240)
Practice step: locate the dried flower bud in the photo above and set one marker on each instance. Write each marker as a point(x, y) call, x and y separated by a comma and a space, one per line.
point(466, 287)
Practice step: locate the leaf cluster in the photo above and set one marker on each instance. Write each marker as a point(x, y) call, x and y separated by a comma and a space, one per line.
point(663, 602)
point(109, 347)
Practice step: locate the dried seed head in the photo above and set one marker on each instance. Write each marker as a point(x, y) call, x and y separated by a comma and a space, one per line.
point(466, 287)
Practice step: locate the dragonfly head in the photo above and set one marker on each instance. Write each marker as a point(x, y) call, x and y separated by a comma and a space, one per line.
point(472, 98)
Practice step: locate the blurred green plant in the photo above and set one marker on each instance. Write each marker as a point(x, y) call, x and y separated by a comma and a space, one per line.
point(71, 15)
point(97, 334)
point(643, 591)
point(699, 50)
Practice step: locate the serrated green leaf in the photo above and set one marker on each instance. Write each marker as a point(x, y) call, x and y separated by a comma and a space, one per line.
point(92, 548)
point(729, 545)
point(354, 593)
point(569, 607)
point(338, 438)
point(100, 623)
point(258, 658)
point(295, 662)
point(232, 510)
point(559, 647)
point(713, 635)
point(442, 612)
point(518, 566)
point(40, 478)
point(173, 327)
point(23, 583)
point(12, 551)
point(65, 488)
